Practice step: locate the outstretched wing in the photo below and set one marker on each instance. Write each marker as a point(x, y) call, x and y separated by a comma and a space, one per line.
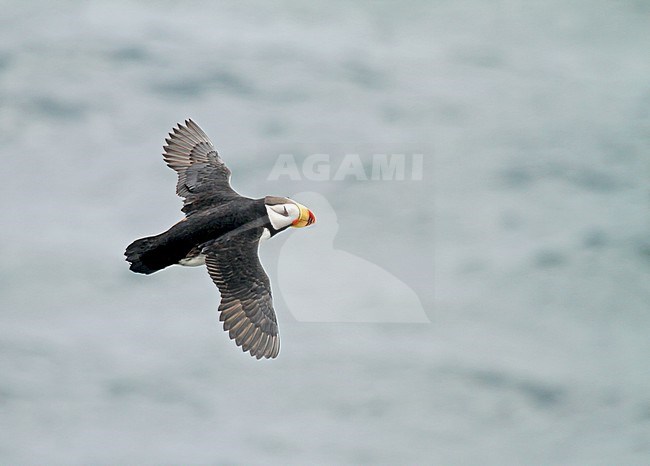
point(203, 178)
point(246, 308)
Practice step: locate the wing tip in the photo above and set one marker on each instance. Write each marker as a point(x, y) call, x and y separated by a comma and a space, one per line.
point(257, 343)
point(186, 143)
point(268, 350)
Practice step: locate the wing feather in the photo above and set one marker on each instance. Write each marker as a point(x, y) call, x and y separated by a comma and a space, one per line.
point(203, 177)
point(246, 308)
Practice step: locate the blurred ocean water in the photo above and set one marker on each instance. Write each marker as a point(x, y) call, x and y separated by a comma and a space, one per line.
point(527, 240)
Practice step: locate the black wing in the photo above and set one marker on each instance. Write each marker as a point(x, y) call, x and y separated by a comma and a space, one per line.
point(203, 178)
point(246, 308)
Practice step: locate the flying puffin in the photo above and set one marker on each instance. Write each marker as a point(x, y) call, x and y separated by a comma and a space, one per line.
point(222, 230)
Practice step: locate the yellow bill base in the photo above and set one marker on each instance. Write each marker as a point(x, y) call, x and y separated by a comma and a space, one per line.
point(302, 220)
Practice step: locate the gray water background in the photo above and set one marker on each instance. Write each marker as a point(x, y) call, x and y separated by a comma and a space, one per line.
point(529, 235)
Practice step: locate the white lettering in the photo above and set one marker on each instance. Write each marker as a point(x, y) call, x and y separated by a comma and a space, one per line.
point(285, 166)
point(388, 167)
point(316, 167)
point(351, 166)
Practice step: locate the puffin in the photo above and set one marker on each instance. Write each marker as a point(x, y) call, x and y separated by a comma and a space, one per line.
point(222, 230)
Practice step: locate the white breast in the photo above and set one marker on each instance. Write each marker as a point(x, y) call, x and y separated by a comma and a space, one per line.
point(193, 261)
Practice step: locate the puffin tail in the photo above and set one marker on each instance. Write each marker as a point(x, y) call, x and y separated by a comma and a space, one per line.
point(138, 253)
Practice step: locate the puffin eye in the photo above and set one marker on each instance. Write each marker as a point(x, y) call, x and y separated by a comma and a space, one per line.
point(285, 213)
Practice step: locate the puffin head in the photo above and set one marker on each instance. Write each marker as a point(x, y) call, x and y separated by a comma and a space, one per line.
point(284, 213)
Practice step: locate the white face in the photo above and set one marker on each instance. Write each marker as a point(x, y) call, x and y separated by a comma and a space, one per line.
point(282, 215)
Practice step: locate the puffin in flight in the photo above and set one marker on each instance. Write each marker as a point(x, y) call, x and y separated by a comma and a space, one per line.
point(222, 230)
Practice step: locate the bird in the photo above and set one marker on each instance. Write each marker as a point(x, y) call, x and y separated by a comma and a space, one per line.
point(222, 230)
